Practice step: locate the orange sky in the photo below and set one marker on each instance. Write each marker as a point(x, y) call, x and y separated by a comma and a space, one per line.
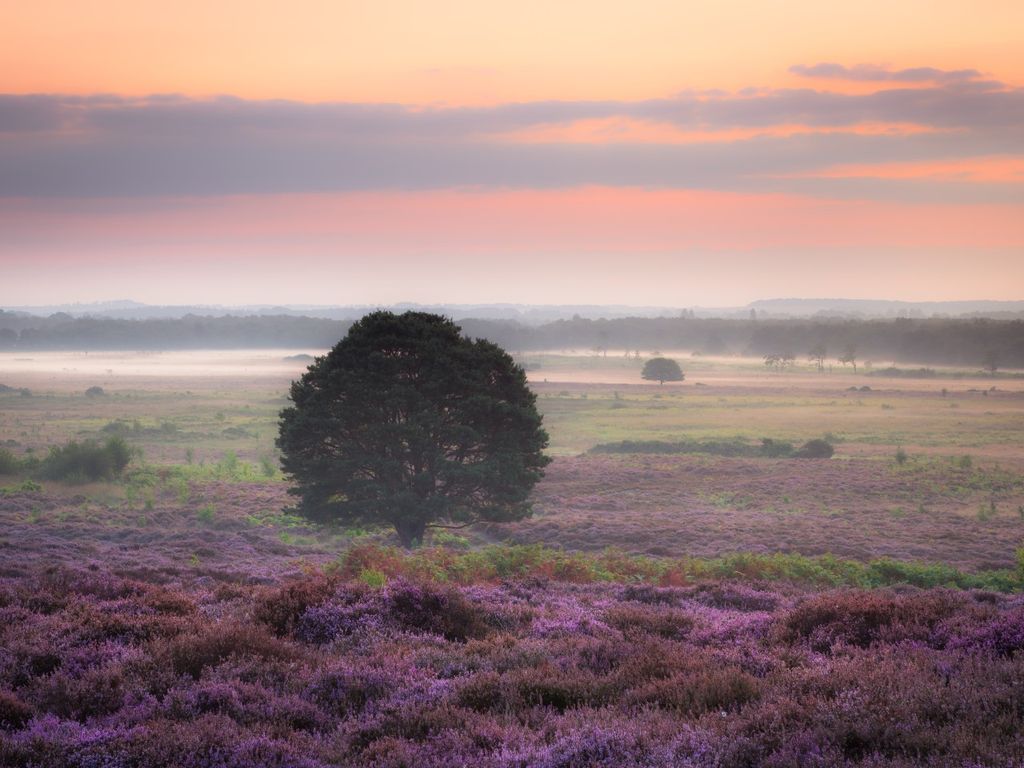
point(702, 146)
point(467, 51)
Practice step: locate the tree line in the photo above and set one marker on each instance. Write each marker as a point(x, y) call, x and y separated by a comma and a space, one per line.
point(973, 342)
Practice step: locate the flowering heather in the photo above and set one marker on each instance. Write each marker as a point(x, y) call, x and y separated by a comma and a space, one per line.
point(102, 669)
point(709, 505)
point(221, 632)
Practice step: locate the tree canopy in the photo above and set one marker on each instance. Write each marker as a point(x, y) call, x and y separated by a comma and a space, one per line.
point(662, 369)
point(407, 422)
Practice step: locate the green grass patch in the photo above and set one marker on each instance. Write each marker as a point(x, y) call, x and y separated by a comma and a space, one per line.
point(497, 562)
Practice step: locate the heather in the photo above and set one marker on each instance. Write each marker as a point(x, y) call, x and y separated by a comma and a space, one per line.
point(243, 636)
point(940, 509)
point(101, 669)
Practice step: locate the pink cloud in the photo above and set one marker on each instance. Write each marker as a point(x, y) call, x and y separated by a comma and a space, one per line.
point(593, 219)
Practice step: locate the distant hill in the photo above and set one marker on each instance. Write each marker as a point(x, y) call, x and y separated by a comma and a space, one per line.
point(973, 342)
point(539, 314)
point(530, 314)
point(872, 308)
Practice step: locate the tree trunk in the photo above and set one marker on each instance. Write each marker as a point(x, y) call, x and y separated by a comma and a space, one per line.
point(410, 532)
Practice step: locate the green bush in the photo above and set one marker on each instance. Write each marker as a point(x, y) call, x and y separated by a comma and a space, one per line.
point(775, 448)
point(87, 461)
point(728, 447)
point(815, 449)
point(731, 447)
point(9, 463)
point(503, 561)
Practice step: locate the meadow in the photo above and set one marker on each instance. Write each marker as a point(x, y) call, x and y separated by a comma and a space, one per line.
point(683, 600)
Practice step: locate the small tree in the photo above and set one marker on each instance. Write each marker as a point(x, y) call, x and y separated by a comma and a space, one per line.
point(662, 369)
point(817, 356)
point(991, 362)
point(779, 361)
point(849, 356)
point(409, 423)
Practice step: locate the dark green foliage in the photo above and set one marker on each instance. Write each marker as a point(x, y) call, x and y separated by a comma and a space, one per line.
point(815, 449)
point(9, 463)
point(408, 422)
point(95, 392)
point(775, 448)
point(892, 372)
point(7, 390)
point(87, 461)
point(661, 369)
point(735, 447)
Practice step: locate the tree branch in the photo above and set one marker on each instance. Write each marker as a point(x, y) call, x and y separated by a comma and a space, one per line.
point(453, 527)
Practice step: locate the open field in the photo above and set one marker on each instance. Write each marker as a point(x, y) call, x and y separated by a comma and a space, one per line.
point(861, 610)
point(218, 401)
point(205, 424)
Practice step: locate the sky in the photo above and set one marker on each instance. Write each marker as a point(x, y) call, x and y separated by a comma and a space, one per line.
point(647, 153)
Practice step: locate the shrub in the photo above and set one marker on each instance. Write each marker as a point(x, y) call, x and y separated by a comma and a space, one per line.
point(191, 653)
point(9, 463)
point(707, 688)
point(429, 608)
point(280, 609)
point(1002, 636)
point(815, 449)
point(14, 713)
point(95, 392)
point(344, 689)
point(95, 693)
point(372, 578)
point(775, 448)
point(87, 461)
point(647, 620)
point(861, 618)
point(901, 456)
point(733, 447)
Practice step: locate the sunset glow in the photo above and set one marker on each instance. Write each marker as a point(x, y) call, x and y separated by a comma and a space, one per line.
point(510, 144)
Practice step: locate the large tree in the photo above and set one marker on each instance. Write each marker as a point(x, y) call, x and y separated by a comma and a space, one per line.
point(407, 422)
point(662, 369)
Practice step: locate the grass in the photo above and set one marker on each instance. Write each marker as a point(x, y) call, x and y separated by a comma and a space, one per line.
point(497, 562)
point(197, 421)
point(913, 419)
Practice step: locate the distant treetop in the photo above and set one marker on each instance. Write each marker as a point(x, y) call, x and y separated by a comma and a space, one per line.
point(662, 369)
